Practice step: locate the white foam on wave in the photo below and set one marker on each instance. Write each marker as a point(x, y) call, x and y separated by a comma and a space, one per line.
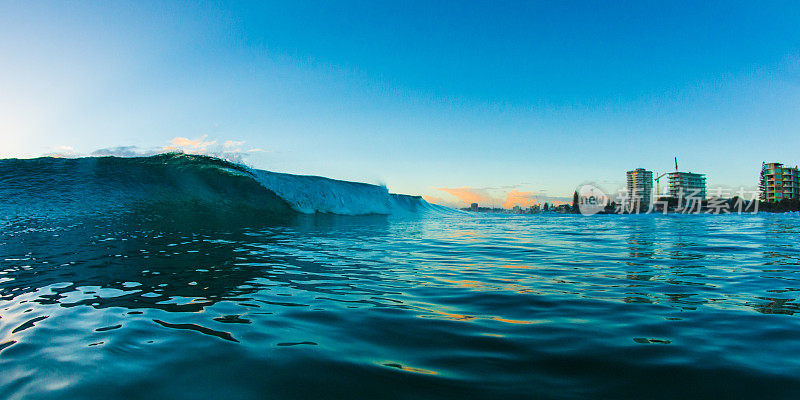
point(315, 194)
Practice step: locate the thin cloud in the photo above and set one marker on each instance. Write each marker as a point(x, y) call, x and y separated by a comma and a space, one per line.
point(518, 198)
point(467, 195)
point(233, 143)
point(527, 199)
point(187, 145)
point(122, 151)
point(62, 151)
point(500, 195)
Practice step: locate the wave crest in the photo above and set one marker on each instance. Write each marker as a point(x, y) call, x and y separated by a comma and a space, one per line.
point(174, 181)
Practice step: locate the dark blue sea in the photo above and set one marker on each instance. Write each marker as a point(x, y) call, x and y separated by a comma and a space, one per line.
point(182, 277)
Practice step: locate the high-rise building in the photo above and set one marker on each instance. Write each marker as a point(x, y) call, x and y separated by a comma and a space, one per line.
point(640, 188)
point(687, 184)
point(779, 182)
point(473, 207)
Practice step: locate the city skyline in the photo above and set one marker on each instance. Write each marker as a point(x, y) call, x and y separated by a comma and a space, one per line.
point(513, 103)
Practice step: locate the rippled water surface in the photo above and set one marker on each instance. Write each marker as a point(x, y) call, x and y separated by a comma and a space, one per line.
point(474, 306)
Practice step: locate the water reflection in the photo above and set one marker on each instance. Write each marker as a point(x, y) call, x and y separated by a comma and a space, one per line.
point(143, 265)
point(455, 301)
point(641, 239)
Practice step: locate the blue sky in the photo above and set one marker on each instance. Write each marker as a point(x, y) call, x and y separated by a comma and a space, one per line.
point(489, 97)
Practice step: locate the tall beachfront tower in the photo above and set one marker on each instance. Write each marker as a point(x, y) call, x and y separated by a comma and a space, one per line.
point(687, 184)
point(779, 182)
point(640, 187)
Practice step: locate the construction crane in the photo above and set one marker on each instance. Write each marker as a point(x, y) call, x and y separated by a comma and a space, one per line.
point(658, 188)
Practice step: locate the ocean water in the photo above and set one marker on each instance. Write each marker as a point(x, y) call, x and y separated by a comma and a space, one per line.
point(181, 277)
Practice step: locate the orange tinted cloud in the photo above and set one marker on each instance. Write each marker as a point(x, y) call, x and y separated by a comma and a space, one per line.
point(493, 196)
point(468, 195)
point(517, 198)
point(62, 152)
point(186, 144)
point(434, 200)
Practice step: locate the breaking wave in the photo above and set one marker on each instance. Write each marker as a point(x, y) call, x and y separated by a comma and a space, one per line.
point(174, 183)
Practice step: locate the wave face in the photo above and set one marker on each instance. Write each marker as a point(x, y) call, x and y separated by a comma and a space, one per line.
point(178, 184)
point(312, 194)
